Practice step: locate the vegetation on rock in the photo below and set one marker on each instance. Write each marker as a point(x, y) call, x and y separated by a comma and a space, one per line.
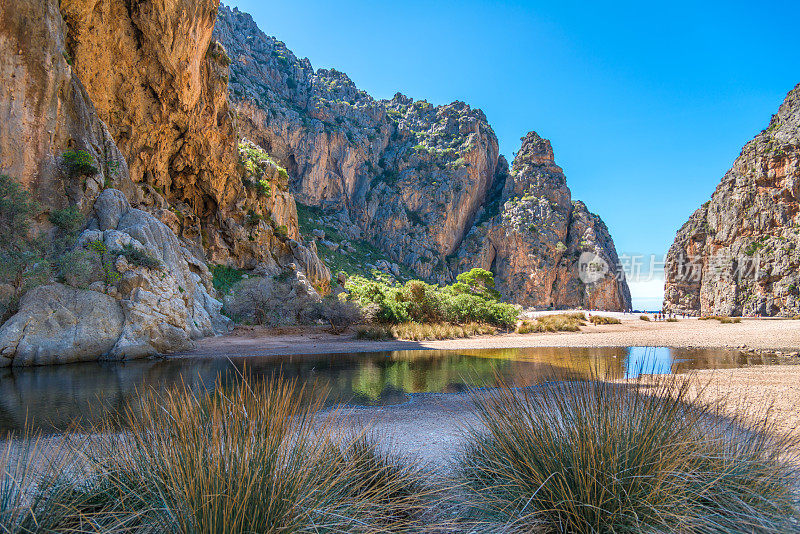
point(23, 261)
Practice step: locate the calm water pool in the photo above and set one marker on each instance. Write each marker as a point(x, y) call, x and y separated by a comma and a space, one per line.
point(53, 398)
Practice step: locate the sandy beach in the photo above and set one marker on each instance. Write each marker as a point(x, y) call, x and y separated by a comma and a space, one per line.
point(756, 334)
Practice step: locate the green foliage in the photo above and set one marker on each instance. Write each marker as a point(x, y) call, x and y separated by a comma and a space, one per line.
point(417, 301)
point(23, 262)
point(80, 163)
point(263, 188)
point(645, 318)
point(104, 259)
point(257, 165)
point(140, 258)
point(69, 220)
point(282, 231)
point(225, 277)
point(755, 246)
point(252, 218)
point(586, 455)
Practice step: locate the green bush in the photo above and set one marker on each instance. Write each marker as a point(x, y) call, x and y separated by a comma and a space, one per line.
point(225, 277)
point(471, 299)
point(69, 220)
point(282, 231)
point(645, 318)
point(80, 163)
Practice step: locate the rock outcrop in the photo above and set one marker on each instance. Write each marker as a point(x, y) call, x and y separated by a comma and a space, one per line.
point(739, 253)
point(142, 311)
point(160, 83)
point(131, 99)
point(403, 174)
point(413, 178)
point(545, 249)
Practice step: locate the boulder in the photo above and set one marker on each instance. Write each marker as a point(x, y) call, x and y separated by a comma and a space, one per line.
point(61, 324)
point(146, 311)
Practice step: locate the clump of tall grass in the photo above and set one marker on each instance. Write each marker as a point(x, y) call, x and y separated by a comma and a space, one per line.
point(603, 319)
point(645, 318)
point(723, 319)
point(414, 331)
point(588, 456)
point(251, 459)
point(562, 322)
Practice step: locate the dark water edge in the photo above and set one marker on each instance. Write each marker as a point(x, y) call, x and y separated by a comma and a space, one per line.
point(56, 398)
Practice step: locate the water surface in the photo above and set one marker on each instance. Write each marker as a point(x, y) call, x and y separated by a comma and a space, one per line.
point(57, 397)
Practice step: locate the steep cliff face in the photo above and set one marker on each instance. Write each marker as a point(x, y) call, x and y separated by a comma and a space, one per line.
point(545, 249)
point(739, 253)
point(128, 100)
point(161, 84)
point(404, 174)
point(45, 112)
point(413, 178)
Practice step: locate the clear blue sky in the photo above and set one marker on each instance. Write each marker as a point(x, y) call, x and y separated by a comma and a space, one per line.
point(646, 104)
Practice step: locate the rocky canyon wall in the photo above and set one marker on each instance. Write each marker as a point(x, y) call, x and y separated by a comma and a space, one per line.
point(413, 178)
point(739, 253)
point(121, 107)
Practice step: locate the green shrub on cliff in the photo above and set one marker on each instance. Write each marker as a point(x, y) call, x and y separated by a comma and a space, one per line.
point(471, 299)
point(23, 262)
point(80, 163)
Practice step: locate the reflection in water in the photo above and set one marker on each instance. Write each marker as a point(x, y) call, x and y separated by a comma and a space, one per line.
point(56, 397)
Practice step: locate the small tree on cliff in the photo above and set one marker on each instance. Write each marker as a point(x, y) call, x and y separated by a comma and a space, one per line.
point(22, 255)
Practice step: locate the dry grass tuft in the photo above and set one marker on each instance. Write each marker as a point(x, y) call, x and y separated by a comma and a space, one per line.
point(563, 322)
point(602, 319)
point(589, 456)
point(424, 331)
point(645, 318)
point(251, 459)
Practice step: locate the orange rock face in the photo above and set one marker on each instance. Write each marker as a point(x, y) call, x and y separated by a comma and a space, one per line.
point(739, 253)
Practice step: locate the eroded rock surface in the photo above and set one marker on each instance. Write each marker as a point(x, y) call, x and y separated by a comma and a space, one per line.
point(411, 177)
point(143, 311)
point(739, 253)
point(534, 238)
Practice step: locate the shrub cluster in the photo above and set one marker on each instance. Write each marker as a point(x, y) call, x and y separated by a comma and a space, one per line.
point(603, 319)
point(471, 299)
point(80, 163)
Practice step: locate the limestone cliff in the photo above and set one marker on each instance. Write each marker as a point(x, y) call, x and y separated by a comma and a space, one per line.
point(540, 244)
point(161, 83)
point(739, 253)
point(409, 177)
point(130, 98)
